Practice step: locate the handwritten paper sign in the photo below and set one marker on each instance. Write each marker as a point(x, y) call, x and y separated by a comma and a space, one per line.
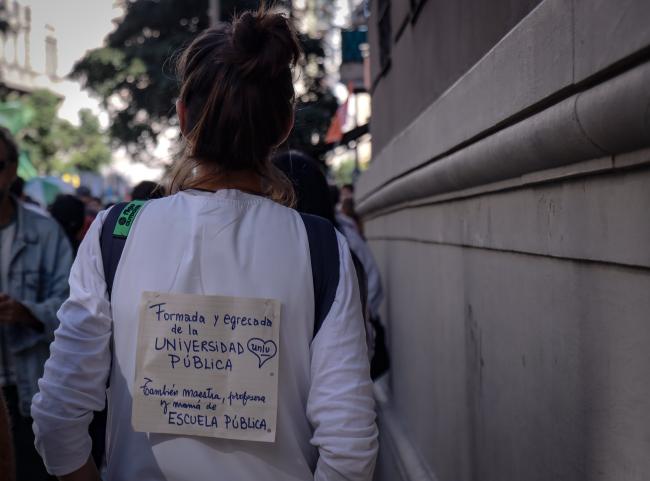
point(207, 366)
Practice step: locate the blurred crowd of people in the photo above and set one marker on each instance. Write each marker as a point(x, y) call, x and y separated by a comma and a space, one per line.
point(75, 212)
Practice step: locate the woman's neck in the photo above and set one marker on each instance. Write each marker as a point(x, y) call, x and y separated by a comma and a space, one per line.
point(244, 180)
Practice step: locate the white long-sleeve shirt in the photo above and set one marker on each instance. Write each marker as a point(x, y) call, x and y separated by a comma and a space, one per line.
point(361, 249)
point(226, 243)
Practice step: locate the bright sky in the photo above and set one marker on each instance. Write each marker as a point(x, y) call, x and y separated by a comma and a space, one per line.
point(80, 25)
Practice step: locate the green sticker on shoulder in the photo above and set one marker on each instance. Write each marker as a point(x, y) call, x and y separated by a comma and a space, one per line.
point(126, 218)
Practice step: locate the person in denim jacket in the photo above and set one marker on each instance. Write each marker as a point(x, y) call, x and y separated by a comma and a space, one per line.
point(35, 261)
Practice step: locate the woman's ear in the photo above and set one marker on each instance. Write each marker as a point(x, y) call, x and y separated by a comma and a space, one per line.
point(181, 111)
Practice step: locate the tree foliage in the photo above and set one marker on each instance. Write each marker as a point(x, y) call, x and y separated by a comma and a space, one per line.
point(89, 149)
point(55, 145)
point(316, 104)
point(133, 73)
point(344, 172)
point(45, 134)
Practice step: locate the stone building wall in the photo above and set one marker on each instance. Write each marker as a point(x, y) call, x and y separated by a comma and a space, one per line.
point(508, 211)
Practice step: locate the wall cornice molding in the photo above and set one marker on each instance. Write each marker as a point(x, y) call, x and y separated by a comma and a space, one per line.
point(532, 101)
point(610, 118)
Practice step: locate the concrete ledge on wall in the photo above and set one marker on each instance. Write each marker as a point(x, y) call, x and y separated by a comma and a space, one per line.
point(544, 70)
point(610, 118)
point(398, 458)
point(587, 212)
point(534, 60)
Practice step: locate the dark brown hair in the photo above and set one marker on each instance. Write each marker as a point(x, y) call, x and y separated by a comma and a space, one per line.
point(237, 86)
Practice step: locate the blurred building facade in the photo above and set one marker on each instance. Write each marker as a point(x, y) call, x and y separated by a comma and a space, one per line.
point(506, 204)
point(29, 61)
point(18, 70)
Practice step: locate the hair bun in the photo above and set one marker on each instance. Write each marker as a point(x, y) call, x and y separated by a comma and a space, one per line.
point(264, 44)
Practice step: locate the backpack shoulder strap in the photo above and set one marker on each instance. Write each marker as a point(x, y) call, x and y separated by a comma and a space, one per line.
point(324, 253)
point(115, 230)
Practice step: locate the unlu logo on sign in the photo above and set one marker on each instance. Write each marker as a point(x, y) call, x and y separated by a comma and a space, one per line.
point(263, 350)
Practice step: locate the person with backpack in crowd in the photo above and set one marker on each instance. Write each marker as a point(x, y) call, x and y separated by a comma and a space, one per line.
point(314, 196)
point(350, 229)
point(225, 230)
